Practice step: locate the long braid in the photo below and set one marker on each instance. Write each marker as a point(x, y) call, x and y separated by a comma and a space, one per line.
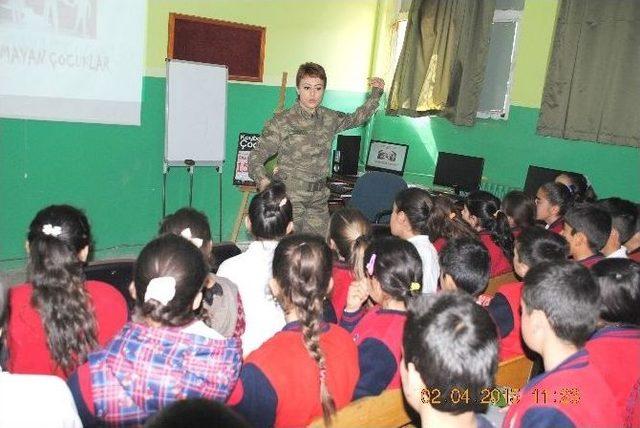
point(304, 273)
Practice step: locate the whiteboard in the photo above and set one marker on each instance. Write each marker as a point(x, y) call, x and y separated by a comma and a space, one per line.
point(196, 113)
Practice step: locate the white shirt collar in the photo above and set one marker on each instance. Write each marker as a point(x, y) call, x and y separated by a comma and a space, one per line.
point(619, 253)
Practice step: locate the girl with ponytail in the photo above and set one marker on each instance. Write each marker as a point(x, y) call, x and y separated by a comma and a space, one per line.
point(167, 353)
point(392, 274)
point(553, 200)
point(446, 223)
point(57, 318)
point(482, 212)
point(409, 220)
point(269, 220)
point(310, 368)
point(348, 227)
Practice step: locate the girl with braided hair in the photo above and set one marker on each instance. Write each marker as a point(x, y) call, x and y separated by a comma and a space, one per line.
point(58, 317)
point(392, 275)
point(167, 353)
point(310, 368)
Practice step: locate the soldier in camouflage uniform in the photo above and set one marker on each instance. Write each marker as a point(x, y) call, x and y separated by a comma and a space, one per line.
point(302, 137)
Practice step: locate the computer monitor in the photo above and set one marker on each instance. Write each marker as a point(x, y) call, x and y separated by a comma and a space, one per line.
point(462, 173)
point(537, 176)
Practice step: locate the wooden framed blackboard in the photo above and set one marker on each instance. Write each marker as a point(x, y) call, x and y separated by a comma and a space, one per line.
point(238, 46)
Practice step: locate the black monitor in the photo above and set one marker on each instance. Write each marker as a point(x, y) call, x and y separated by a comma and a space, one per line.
point(458, 171)
point(537, 176)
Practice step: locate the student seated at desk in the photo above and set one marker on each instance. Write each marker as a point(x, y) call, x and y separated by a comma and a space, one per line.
point(615, 346)
point(482, 212)
point(559, 313)
point(450, 348)
point(586, 228)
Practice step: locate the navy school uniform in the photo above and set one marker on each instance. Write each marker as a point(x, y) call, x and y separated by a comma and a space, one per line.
point(378, 335)
point(574, 394)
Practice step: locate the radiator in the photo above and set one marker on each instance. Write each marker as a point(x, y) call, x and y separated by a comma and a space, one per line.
point(497, 189)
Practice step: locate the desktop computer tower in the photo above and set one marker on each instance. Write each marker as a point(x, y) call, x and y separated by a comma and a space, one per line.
point(345, 157)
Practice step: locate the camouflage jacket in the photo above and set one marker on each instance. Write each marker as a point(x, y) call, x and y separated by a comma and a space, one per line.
point(303, 140)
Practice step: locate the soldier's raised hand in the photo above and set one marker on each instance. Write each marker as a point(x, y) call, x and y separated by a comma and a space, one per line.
point(376, 82)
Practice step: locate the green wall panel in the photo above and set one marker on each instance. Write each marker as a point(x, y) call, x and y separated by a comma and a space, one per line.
point(509, 147)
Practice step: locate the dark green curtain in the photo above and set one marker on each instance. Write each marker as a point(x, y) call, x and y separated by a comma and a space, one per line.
point(592, 88)
point(442, 63)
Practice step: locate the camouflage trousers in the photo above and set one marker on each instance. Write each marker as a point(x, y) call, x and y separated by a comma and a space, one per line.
point(310, 208)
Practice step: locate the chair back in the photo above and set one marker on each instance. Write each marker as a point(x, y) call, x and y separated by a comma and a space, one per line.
point(514, 373)
point(374, 193)
point(496, 282)
point(116, 272)
point(385, 410)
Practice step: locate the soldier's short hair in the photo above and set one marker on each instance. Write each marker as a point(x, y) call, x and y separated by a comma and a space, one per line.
point(311, 69)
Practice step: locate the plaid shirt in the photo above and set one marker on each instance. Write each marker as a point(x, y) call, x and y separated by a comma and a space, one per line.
point(145, 369)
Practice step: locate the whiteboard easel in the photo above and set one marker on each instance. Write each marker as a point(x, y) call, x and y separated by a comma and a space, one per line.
point(195, 120)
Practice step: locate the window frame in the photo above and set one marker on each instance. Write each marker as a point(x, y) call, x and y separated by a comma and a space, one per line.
point(515, 17)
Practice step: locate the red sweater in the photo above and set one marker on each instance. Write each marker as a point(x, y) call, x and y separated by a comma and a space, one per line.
point(27, 341)
point(505, 311)
point(279, 382)
point(499, 262)
point(573, 394)
point(615, 353)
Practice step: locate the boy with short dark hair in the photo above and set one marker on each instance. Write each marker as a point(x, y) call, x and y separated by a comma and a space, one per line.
point(533, 246)
point(464, 266)
point(450, 359)
point(623, 223)
point(615, 347)
point(586, 228)
point(559, 312)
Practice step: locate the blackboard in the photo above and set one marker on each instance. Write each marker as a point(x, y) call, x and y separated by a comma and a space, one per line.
point(246, 143)
point(239, 46)
point(196, 113)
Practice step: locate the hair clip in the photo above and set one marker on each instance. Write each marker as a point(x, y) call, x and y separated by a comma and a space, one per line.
point(415, 286)
point(371, 264)
point(162, 289)
point(495, 214)
point(283, 202)
point(50, 230)
point(186, 233)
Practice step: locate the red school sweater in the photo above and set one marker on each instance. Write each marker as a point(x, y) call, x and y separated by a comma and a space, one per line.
point(27, 341)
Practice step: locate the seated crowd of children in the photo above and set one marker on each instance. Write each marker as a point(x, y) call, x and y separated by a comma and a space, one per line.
point(298, 325)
